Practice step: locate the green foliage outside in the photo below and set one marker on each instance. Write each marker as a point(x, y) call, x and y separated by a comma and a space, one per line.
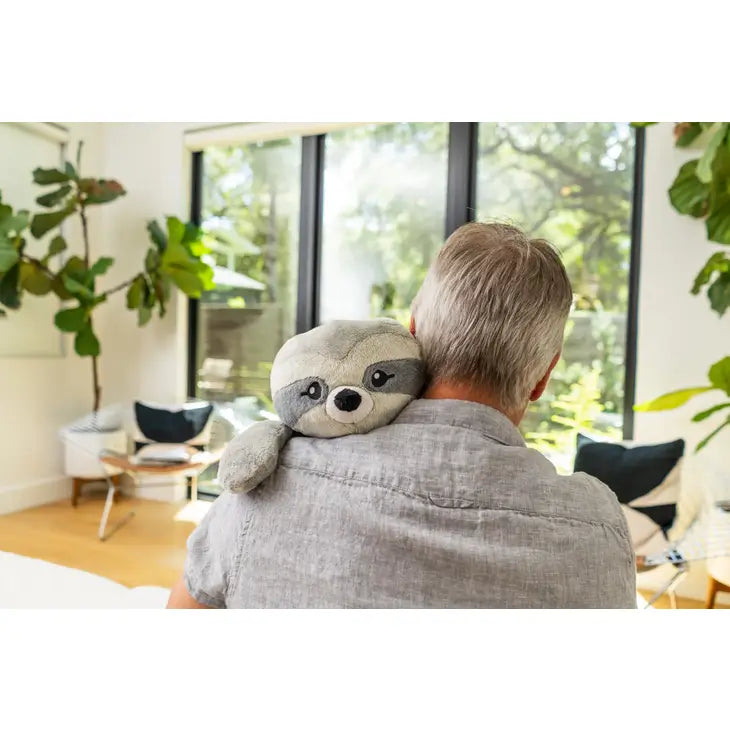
point(569, 183)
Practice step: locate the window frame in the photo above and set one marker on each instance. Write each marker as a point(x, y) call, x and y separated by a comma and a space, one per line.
point(463, 152)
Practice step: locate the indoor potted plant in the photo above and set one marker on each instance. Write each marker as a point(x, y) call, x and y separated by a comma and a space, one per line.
point(173, 259)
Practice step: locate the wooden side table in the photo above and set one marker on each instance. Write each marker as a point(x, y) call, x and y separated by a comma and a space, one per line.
point(129, 464)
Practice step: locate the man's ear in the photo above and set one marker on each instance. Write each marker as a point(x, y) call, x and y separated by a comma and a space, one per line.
point(539, 389)
point(413, 326)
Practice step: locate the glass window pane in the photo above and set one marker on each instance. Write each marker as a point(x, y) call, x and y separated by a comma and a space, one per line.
point(251, 219)
point(384, 213)
point(571, 183)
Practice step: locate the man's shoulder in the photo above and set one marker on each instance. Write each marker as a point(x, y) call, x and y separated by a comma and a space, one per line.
point(459, 466)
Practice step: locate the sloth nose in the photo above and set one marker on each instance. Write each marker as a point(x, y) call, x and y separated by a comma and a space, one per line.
point(348, 400)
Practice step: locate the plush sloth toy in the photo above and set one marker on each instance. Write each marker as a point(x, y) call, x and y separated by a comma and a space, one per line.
point(341, 378)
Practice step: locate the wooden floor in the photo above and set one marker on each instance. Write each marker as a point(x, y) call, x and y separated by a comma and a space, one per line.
point(148, 550)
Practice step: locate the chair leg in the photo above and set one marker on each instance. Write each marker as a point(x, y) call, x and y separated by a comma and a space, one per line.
point(76, 492)
point(103, 535)
point(116, 480)
point(711, 592)
point(194, 488)
point(107, 509)
point(672, 599)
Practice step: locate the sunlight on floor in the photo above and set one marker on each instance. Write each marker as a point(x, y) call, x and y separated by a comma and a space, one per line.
point(193, 512)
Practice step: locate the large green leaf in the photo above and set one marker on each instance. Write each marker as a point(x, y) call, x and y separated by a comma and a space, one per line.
point(188, 282)
point(176, 255)
point(686, 132)
point(151, 261)
point(135, 292)
point(96, 192)
point(86, 344)
point(9, 287)
point(76, 269)
point(56, 246)
point(8, 256)
point(50, 199)
point(44, 222)
point(60, 290)
point(719, 293)
point(701, 445)
point(718, 220)
point(144, 315)
point(718, 262)
point(192, 233)
point(78, 289)
point(704, 165)
point(34, 279)
point(702, 415)
point(175, 230)
point(672, 400)
point(14, 224)
point(719, 374)
point(70, 170)
point(688, 194)
point(71, 320)
point(49, 176)
point(158, 236)
point(101, 266)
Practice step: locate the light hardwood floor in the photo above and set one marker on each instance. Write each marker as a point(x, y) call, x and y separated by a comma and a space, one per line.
point(148, 550)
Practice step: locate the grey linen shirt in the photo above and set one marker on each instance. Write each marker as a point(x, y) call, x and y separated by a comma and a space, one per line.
point(444, 507)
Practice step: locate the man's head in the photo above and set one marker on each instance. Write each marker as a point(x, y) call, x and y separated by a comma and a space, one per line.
point(491, 313)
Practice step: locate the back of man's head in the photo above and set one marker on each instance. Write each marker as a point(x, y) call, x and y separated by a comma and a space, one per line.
point(492, 310)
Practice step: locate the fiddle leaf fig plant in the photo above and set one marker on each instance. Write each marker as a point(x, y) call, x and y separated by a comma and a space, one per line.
point(174, 259)
point(702, 190)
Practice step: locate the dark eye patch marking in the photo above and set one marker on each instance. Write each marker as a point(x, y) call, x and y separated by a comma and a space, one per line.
point(314, 391)
point(396, 376)
point(294, 400)
point(379, 378)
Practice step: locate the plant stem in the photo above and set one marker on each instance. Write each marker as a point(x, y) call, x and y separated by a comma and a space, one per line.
point(85, 229)
point(119, 287)
point(38, 263)
point(95, 374)
point(95, 358)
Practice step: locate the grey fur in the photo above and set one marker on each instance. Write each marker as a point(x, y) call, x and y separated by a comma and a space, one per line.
point(293, 401)
point(406, 376)
point(337, 338)
point(338, 355)
point(252, 456)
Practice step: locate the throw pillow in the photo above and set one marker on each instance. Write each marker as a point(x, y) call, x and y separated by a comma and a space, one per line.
point(187, 424)
point(635, 473)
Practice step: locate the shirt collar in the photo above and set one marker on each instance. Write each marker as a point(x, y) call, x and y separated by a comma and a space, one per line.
point(463, 414)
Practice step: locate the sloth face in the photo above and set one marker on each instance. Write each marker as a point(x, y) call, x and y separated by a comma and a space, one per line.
point(363, 375)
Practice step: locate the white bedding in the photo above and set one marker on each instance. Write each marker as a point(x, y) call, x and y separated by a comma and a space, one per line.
point(31, 583)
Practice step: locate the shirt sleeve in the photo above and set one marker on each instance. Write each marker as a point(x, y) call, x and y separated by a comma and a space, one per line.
point(214, 550)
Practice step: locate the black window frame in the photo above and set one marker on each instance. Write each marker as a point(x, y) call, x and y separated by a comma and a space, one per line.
point(463, 153)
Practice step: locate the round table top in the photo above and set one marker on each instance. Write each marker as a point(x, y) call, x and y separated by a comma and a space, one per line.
point(127, 462)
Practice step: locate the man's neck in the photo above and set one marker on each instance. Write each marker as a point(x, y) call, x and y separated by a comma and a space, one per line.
point(458, 391)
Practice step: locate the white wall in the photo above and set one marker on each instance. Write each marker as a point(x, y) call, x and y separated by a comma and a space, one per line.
point(679, 335)
point(39, 395)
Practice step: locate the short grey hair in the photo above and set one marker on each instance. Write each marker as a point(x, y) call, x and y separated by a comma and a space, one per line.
point(492, 310)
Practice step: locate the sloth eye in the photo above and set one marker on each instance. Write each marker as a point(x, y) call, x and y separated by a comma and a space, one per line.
point(379, 378)
point(314, 391)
